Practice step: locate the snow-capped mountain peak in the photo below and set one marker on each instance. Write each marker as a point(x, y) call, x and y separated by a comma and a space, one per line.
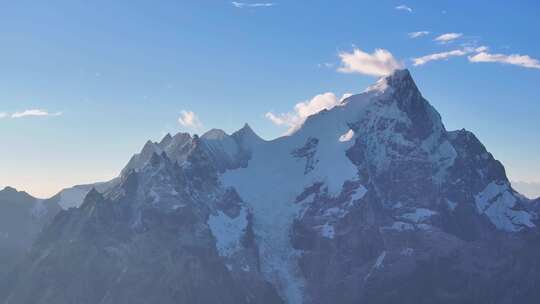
point(371, 192)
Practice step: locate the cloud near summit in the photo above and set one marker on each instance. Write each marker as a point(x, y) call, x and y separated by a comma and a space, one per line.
point(190, 120)
point(302, 110)
point(379, 63)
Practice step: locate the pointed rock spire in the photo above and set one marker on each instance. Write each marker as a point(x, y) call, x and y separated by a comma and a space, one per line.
point(246, 133)
point(166, 140)
point(423, 116)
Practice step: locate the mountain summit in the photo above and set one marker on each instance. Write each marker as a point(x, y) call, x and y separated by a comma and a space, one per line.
point(371, 201)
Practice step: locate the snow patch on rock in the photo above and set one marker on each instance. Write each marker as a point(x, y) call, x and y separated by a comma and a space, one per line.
point(400, 226)
point(378, 264)
point(359, 193)
point(407, 251)
point(380, 260)
point(327, 231)
point(498, 203)
point(451, 205)
point(335, 212)
point(419, 215)
point(228, 231)
point(347, 136)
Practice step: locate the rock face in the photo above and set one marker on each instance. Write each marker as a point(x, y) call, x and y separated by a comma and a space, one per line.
point(21, 219)
point(372, 201)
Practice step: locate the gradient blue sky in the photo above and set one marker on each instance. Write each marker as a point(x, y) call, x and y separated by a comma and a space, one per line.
point(112, 74)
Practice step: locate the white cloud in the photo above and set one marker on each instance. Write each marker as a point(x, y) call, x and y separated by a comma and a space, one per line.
point(294, 119)
point(514, 59)
point(3, 114)
point(445, 55)
point(380, 63)
point(34, 112)
point(437, 56)
point(403, 8)
point(244, 4)
point(448, 37)
point(481, 49)
point(189, 119)
point(418, 34)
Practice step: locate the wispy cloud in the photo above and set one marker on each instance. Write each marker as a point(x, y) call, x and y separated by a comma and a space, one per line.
point(244, 4)
point(3, 114)
point(513, 59)
point(34, 112)
point(190, 120)
point(445, 55)
point(295, 118)
point(418, 34)
point(380, 63)
point(403, 7)
point(448, 37)
point(438, 56)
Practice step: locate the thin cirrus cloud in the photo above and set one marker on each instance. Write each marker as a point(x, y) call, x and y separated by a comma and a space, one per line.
point(513, 59)
point(446, 55)
point(294, 119)
point(448, 37)
point(437, 56)
point(190, 120)
point(34, 112)
point(379, 63)
point(245, 4)
point(418, 34)
point(480, 54)
point(404, 7)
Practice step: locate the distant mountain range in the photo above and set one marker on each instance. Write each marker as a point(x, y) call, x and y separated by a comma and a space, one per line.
point(21, 219)
point(372, 201)
point(530, 189)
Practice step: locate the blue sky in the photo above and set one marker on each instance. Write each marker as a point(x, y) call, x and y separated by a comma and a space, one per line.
point(108, 75)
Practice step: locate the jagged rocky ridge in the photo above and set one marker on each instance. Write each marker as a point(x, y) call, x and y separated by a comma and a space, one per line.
point(372, 201)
